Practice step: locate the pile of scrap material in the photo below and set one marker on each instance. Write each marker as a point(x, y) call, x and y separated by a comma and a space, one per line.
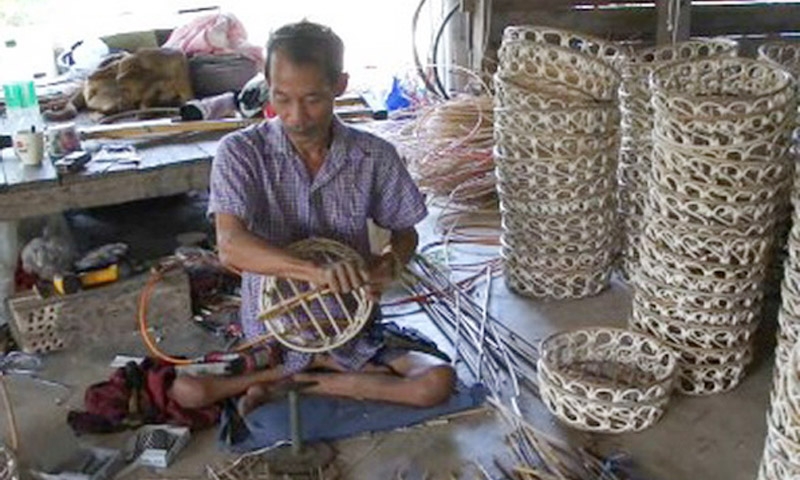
point(449, 147)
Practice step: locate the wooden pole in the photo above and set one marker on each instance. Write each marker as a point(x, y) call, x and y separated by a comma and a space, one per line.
point(674, 21)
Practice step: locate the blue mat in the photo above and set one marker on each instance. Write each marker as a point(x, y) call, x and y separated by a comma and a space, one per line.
point(329, 418)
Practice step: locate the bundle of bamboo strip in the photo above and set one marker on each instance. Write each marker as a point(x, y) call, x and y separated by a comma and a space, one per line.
point(506, 363)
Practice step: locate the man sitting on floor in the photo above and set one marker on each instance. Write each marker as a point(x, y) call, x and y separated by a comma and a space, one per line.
point(306, 174)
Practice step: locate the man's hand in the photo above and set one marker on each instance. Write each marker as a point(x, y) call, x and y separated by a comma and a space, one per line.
point(341, 277)
point(381, 274)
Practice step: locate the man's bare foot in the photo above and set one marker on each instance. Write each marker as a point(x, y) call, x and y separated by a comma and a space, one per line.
point(255, 396)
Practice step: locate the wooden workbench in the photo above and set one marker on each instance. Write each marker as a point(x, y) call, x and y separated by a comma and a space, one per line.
point(166, 167)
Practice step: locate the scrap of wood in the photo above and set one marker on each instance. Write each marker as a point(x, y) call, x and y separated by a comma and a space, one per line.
point(147, 128)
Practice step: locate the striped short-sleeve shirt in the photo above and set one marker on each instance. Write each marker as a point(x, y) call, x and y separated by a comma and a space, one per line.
point(258, 177)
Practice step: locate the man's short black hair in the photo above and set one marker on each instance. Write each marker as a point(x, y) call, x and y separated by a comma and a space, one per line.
point(309, 43)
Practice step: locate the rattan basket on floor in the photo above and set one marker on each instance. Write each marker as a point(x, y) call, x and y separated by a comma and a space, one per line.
point(605, 379)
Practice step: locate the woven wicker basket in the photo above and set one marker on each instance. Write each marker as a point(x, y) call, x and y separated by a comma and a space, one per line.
point(309, 320)
point(605, 380)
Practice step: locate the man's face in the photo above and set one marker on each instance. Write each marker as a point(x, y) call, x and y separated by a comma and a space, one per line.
point(302, 97)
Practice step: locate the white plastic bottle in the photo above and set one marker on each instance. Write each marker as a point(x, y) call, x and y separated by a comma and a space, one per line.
point(22, 104)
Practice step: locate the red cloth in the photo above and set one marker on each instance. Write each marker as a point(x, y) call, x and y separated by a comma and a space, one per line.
point(107, 403)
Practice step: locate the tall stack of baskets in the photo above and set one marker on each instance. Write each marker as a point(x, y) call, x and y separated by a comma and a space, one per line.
point(556, 142)
point(636, 143)
point(781, 458)
point(720, 167)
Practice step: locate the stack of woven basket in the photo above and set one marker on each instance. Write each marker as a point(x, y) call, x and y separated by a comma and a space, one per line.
point(636, 143)
point(781, 458)
point(787, 55)
point(556, 142)
point(720, 168)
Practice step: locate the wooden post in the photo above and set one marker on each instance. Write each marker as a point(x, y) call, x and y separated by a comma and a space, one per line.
point(674, 21)
point(480, 15)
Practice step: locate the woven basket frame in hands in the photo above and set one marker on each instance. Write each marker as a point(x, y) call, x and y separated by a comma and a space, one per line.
point(309, 320)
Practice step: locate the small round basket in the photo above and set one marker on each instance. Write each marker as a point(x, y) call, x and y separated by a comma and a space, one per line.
point(312, 320)
point(605, 380)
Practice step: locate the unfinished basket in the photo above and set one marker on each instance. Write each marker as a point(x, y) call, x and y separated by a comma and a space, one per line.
point(698, 275)
point(560, 230)
point(673, 205)
point(676, 296)
point(727, 246)
point(605, 379)
point(558, 264)
point(712, 379)
point(555, 174)
point(552, 148)
point(310, 320)
point(785, 54)
point(592, 120)
point(524, 94)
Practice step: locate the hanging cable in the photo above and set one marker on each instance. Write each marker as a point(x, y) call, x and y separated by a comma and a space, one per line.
point(435, 50)
point(420, 71)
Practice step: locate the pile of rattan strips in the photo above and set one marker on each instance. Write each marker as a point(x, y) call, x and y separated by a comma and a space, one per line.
point(556, 142)
point(720, 175)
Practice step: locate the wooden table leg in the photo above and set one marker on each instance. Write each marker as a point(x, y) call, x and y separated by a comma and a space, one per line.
point(9, 252)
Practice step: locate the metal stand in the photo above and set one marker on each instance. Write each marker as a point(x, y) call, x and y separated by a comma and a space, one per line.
point(299, 459)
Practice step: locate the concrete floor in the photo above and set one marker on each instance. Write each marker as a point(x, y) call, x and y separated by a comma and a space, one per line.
point(709, 438)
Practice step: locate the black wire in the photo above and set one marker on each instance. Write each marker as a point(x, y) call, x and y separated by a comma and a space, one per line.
point(420, 71)
point(435, 50)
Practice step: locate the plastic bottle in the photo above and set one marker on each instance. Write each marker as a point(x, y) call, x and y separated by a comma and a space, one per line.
point(22, 105)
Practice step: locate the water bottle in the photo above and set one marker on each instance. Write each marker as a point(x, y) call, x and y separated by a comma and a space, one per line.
point(22, 107)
